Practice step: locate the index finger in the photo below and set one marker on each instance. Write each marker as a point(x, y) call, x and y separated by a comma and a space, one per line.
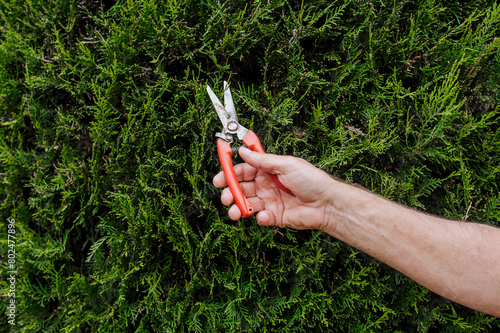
point(244, 173)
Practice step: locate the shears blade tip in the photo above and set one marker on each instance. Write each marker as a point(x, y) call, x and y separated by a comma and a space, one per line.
point(224, 116)
point(228, 102)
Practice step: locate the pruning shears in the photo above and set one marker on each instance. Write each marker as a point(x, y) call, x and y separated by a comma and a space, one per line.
point(230, 127)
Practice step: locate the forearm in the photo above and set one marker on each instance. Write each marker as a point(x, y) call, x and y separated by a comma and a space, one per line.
point(458, 260)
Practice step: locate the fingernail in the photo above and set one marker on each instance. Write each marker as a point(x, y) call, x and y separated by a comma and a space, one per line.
point(245, 150)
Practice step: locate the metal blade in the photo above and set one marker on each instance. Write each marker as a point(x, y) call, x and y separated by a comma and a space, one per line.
point(224, 116)
point(228, 102)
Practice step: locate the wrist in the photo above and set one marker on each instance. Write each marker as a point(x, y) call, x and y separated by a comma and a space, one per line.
point(337, 199)
point(348, 205)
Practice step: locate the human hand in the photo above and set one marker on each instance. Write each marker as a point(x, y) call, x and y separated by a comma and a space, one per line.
point(308, 206)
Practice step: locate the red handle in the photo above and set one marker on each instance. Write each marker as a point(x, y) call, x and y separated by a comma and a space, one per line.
point(225, 154)
point(225, 157)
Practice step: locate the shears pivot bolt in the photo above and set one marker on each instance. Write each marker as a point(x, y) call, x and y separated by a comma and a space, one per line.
point(232, 126)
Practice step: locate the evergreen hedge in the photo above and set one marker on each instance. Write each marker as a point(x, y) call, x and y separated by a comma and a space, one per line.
point(108, 151)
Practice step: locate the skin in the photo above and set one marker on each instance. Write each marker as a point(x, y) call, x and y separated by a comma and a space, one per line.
point(458, 260)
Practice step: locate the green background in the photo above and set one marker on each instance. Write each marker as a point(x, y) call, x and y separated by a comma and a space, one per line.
point(107, 151)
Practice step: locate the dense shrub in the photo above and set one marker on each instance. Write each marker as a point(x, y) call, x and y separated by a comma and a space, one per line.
point(108, 150)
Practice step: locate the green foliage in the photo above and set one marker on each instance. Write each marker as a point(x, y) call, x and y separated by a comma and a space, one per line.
point(108, 150)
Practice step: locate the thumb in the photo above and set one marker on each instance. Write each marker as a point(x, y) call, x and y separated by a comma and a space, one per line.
point(271, 163)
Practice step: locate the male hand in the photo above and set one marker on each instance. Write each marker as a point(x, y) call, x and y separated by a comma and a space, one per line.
point(306, 208)
point(458, 260)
